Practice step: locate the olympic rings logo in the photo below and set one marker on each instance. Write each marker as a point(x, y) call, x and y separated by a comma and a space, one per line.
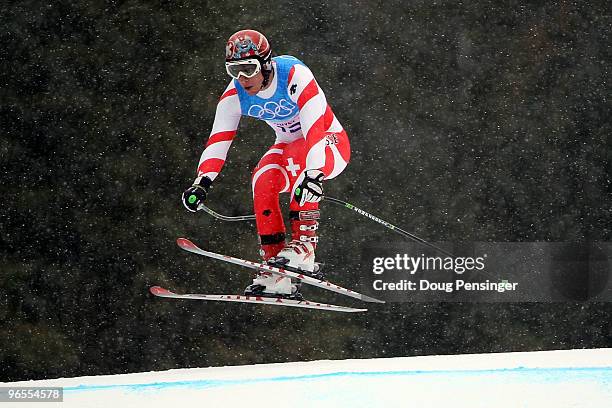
point(272, 110)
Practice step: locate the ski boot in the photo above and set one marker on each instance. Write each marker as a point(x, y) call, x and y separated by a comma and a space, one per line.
point(299, 254)
point(267, 284)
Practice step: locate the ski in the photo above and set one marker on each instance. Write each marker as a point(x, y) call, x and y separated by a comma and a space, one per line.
point(262, 300)
point(189, 246)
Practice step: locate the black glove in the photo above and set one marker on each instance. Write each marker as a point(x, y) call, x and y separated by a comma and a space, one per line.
point(196, 194)
point(310, 189)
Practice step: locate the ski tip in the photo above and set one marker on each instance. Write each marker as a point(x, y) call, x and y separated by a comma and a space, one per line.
point(185, 243)
point(159, 291)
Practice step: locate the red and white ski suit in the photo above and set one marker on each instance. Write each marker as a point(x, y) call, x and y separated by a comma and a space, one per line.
point(308, 136)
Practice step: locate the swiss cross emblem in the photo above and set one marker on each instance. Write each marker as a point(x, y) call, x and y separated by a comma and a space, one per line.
point(292, 167)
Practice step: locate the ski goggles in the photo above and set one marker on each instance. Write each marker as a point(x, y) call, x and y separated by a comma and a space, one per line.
point(247, 68)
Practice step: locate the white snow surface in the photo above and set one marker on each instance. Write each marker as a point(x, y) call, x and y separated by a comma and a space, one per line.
point(569, 378)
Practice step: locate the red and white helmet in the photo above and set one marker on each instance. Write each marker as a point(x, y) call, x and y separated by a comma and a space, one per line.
point(246, 44)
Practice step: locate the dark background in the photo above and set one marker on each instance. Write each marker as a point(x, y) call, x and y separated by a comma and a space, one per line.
point(469, 121)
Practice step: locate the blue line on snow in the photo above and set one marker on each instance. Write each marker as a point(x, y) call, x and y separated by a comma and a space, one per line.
point(599, 374)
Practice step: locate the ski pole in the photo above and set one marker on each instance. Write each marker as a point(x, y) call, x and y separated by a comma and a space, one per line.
point(385, 223)
point(226, 217)
point(345, 205)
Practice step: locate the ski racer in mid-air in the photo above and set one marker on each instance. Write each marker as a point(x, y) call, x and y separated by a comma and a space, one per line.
point(310, 146)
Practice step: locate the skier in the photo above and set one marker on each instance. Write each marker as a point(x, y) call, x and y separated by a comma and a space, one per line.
point(311, 146)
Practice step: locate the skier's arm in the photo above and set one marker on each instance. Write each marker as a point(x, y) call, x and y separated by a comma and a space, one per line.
point(221, 136)
point(314, 113)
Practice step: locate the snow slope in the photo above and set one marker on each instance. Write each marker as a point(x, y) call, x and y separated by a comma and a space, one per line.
point(573, 378)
